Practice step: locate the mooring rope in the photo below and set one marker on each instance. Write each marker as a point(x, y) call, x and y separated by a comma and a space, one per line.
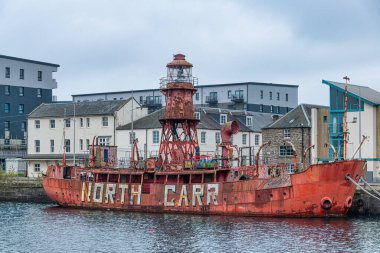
point(366, 183)
point(362, 188)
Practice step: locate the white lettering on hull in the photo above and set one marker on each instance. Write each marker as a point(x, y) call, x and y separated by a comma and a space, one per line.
point(111, 193)
point(197, 195)
point(98, 192)
point(167, 189)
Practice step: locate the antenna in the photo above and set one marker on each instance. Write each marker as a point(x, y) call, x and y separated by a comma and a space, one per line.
point(345, 130)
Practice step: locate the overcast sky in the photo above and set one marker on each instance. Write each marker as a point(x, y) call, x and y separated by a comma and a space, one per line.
point(121, 45)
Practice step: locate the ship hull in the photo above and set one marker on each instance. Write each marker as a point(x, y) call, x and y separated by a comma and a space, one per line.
point(321, 190)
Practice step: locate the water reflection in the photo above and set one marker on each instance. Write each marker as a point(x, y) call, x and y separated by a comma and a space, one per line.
point(42, 228)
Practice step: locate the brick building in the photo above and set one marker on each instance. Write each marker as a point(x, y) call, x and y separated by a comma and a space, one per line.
point(304, 126)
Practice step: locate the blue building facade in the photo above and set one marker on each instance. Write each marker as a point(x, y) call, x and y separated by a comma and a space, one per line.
point(24, 84)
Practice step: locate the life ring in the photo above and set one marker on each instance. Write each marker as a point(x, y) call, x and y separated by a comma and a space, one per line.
point(326, 203)
point(348, 202)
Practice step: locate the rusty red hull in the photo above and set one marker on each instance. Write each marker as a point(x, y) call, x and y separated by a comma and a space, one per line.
point(319, 191)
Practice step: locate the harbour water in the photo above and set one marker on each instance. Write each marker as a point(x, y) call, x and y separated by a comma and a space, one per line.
point(46, 228)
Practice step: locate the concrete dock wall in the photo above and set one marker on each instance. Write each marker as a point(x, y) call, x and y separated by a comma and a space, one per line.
point(22, 190)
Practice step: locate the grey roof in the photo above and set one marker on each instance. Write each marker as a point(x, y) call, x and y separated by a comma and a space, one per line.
point(209, 119)
point(81, 109)
point(198, 86)
point(364, 92)
point(298, 117)
point(29, 61)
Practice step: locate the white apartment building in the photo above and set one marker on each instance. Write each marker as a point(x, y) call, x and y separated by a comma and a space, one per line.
point(70, 128)
point(250, 96)
point(148, 131)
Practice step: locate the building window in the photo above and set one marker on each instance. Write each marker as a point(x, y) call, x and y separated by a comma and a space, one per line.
point(290, 168)
point(67, 145)
point(270, 95)
point(286, 150)
point(67, 123)
point(21, 73)
point(87, 122)
point(261, 94)
point(278, 95)
point(244, 139)
point(52, 123)
point(132, 137)
point(81, 144)
point(286, 133)
point(141, 99)
point(104, 141)
point(7, 72)
point(324, 119)
point(21, 108)
point(156, 137)
point(271, 108)
point(37, 123)
point(37, 146)
point(87, 144)
point(277, 109)
point(7, 107)
point(203, 137)
point(23, 126)
point(21, 91)
point(223, 119)
point(248, 120)
point(197, 96)
point(7, 125)
point(217, 137)
point(51, 146)
point(37, 167)
point(40, 75)
point(81, 122)
point(286, 97)
point(257, 139)
point(39, 92)
point(6, 141)
point(7, 90)
point(229, 94)
point(261, 108)
point(197, 115)
point(105, 121)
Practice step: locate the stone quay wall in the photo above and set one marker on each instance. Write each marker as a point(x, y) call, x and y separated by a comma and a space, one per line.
point(14, 189)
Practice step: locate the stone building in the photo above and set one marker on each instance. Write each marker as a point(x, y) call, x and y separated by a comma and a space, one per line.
point(304, 126)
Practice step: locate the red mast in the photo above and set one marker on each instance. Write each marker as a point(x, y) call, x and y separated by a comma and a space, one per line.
point(179, 140)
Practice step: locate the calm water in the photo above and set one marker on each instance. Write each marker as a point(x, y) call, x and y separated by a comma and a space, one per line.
point(46, 228)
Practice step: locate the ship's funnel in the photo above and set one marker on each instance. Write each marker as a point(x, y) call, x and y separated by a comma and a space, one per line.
point(230, 128)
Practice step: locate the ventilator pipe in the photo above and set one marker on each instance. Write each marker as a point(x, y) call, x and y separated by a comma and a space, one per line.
point(230, 128)
point(304, 156)
point(258, 155)
point(334, 150)
point(92, 153)
point(360, 146)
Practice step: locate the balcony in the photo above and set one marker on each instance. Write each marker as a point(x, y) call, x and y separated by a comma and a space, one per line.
point(152, 102)
point(237, 98)
point(212, 99)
